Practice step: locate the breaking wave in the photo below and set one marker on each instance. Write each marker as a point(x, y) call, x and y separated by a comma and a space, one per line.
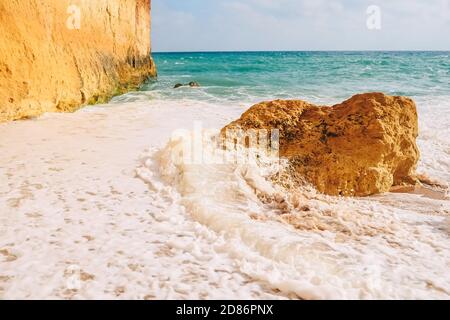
point(302, 243)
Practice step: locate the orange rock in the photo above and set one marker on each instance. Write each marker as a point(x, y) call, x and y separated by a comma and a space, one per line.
point(361, 147)
point(57, 55)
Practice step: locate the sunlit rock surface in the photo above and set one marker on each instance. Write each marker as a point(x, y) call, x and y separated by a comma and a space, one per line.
point(57, 55)
point(363, 146)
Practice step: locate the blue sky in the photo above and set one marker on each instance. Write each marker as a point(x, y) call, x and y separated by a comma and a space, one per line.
point(220, 25)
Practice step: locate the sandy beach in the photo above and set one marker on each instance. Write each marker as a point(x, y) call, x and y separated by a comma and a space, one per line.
point(85, 214)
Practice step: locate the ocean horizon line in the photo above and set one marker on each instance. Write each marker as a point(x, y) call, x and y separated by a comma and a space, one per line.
point(305, 51)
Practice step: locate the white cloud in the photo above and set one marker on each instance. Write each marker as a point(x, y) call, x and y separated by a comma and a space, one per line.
point(302, 25)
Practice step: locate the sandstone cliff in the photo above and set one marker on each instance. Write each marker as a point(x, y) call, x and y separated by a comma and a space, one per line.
point(57, 55)
point(361, 147)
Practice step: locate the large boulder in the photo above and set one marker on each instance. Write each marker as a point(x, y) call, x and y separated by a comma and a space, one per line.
point(363, 146)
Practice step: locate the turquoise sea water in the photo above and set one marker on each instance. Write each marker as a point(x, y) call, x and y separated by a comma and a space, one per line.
point(316, 76)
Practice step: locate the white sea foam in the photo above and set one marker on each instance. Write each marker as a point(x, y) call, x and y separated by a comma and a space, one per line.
point(338, 248)
point(434, 141)
point(390, 246)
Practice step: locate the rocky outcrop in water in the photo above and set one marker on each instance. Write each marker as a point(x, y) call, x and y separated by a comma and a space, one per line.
point(191, 84)
point(57, 55)
point(363, 146)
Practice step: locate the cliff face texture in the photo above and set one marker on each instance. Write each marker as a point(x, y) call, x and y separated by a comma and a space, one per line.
point(57, 55)
point(363, 146)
